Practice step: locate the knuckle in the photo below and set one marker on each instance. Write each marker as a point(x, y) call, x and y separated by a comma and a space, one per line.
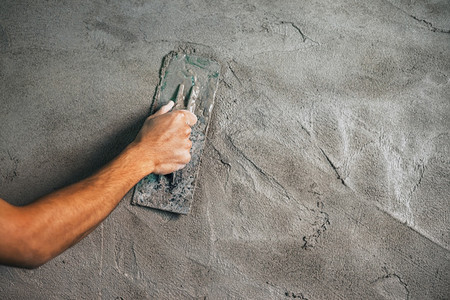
point(176, 115)
point(179, 113)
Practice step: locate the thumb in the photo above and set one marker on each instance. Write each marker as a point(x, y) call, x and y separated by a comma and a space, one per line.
point(164, 109)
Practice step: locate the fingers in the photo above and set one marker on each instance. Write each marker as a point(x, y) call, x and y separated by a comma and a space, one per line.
point(186, 158)
point(180, 98)
point(191, 119)
point(193, 98)
point(164, 109)
point(189, 144)
point(188, 131)
point(179, 167)
point(167, 169)
point(183, 157)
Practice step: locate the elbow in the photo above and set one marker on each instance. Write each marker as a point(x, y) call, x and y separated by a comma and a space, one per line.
point(33, 264)
point(21, 244)
point(30, 252)
point(27, 259)
point(33, 255)
point(25, 255)
point(31, 261)
point(29, 265)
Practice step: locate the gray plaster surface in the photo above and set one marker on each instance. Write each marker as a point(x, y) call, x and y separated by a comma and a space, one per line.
point(326, 174)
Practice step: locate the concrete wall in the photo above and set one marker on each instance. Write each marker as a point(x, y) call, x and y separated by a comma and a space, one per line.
point(327, 168)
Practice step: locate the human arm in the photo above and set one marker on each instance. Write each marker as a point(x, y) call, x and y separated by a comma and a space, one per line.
point(33, 234)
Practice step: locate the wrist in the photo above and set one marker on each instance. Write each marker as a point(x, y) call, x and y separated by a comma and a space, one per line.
point(139, 158)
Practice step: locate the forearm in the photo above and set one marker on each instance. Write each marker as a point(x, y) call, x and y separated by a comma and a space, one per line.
point(60, 219)
point(34, 234)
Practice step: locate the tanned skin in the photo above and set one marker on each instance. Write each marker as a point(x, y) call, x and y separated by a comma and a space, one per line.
point(34, 234)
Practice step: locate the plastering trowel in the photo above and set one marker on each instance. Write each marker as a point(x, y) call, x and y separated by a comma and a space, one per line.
point(191, 82)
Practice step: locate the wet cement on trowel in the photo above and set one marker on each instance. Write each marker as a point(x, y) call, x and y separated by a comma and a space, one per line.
point(175, 192)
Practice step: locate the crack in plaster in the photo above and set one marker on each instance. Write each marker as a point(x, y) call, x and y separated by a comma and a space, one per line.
point(421, 170)
point(295, 295)
point(286, 292)
point(430, 25)
point(234, 73)
point(288, 30)
point(230, 142)
point(310, 241)
point(392, 276)
point(268, 27)
point(335, 169)
point(304, 36)
point(322, 220)
point(395, 161)
point(375, 138)
point(427, 24)
point(225, 162)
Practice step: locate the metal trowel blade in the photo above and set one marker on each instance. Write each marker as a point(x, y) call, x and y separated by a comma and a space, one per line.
point(198, 77)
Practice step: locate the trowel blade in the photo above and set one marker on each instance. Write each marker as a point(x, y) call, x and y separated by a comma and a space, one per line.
point(199, 75)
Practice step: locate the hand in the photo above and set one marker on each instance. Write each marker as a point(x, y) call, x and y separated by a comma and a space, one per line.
point(163, 142)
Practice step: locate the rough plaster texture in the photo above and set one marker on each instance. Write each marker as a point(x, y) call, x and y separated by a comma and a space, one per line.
point(326, 173)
